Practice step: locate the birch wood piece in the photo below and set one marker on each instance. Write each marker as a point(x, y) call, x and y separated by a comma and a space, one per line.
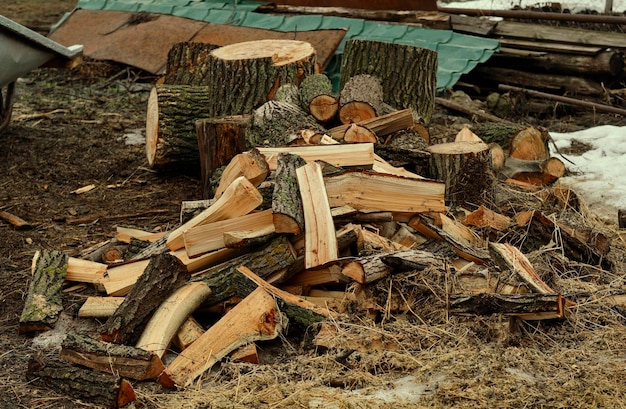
point(170, 316)
point(287, 211)
point(43, 303)
point(255, 318)
point(163, 275)
point(321, 242)
point(120, 360)
point(219, 140)
point(372, 192)
point(187, 64)
point(316, 97)
point(361, 98)
point(251, 165)
point(107, 390)
point(241, 192)
point(408, 73)
point(99, 307)
point(361, 155)
point(465, 169)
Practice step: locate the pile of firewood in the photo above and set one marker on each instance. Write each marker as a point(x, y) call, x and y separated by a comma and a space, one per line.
point(301, 231)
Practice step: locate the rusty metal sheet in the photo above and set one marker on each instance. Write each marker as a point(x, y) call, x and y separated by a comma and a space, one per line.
point(425, 5)
point(143, 40)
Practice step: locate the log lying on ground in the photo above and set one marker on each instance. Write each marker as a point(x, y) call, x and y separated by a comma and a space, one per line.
point(163, 275)
point(187, 64)
point(361, 155)
point(381, 125)
point(530, 143)
point(526, 306)
point(120, 360)
point(361, 98)
point(107, 390)
point(369, 269)
point(43, 303)
point(408, 73)
point(287, 211)
point(255, 318)
point(316, 97)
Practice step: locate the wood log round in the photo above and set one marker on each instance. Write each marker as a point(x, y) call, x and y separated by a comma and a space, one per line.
point(359, 134)
point(408, 73)
point(530, 143)
point(536, 172)
point(465, 169)
point(316, 97)
point(361, 98)
point(187, 64)
point(171, 139)
point(246, 75)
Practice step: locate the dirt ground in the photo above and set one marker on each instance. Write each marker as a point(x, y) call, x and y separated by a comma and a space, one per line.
point(75, 128)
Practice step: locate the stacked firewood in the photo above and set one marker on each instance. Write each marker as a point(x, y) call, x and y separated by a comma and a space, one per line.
point(300, 230)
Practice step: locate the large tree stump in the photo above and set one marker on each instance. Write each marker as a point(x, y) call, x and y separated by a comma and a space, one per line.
point(43, 303)
point(171, 138)
point(187, 64)
point(465, 169)
point(246, 75)
point(361, 98)
point(408, 73)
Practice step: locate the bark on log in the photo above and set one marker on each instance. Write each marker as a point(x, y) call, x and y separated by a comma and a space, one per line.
point(43, 303)
point(361, 98)
point(408, 73)
point(465, 169)
point(316, 97)
point(287, 211)
point(171, 138)
point(289, 93)
point(107, 390)
point(369, 269)
point(381, 125)
point(219, 140)
point(508, 304)
point(163, 275)
point(251, 165)
point(621, 218)
point(119, 360)
point(530, 143)
point(607, 62)
point(255, 70)
point(187, 64)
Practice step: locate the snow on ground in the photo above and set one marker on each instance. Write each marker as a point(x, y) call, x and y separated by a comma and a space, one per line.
point(573, 5)
point(599, 174)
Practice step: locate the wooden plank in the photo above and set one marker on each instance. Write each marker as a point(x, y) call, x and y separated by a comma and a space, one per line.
point(361, 154)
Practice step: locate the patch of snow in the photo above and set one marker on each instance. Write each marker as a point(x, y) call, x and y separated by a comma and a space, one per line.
point(406, 389)
point(573, 5)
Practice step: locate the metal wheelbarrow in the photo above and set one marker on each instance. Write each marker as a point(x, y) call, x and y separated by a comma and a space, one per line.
point(23, 50)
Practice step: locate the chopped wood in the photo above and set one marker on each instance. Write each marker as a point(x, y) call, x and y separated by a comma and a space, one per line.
point(249, 238)
point(382, 166)
point(371, 192)
point(99, 307)
point(372, 242)
point(163, 275)
point(509, 258)
point(287, 211)
point(187, 333)
point(530, 143)
point(484, 217)
point(15, 221)
point(320, 239)
point(369, 269)
point(520, 305)
point(255, 318)
point(250, 164)
point(361, 98)
point(120, 279)
point(338, 155)
point(107, 390)
point(381, 125)
point(210, 236)
point(120, 360)
point(84, 271)
point(316, 97)
point(466, 135)
point(536, 172)
point(206, 260)
point(332, 274)
point(170, 316)
point(124, 234)
point(359, 134)
point(246, 353)
point(497, 156)
point(241, 192)
point(43, 303)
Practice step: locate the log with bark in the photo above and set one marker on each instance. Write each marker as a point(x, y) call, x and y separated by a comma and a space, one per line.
point(316, 97)
point(408, 73)
point(287, 210)
point(530, 143)
point(536, 172)
point(361, 98)
point(526, 306)
point(381, 125)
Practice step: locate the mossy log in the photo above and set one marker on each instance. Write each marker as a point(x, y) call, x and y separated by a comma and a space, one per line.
point(360, 99)
point(44, 302)
point(187, 64)
point(316, 97)
point(109, 391)
point(408, 73)
point(287, 209)
point(288, 93)
point(164, 274)
point(171, 138)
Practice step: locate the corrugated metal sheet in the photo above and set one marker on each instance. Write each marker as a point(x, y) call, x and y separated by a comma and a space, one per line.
point(458, 53)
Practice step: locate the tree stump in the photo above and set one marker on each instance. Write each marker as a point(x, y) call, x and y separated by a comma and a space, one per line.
point(361, 99)
point(408, 73)
point(246, 75)
point(187, 64)
point(465, 169)
point(171, 139)
point(316, 97)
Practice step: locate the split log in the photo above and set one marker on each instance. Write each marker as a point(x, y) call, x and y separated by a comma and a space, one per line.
point(241, 192)
point(170, 316)
point(287, 211)
point(361, 98)
point(255, 318)
point(43, 303)
point(316, 97)
point(331, 274)
point(171, 138)
point(465, 169)
point(256, 69)
point(99, 307)
point(509, 258)
point(188, 333)
point(361, 155)
point(119, 360)
point(163, 275)
point(191, 208)
point(250, 238)
point(525, 306)
point(359, 134)
point(247, 353)
point(369, 269)
point(204, 261)
point(107, 390)
point(381, 125)
point(484, 217)
point(408, 73)
point(536, 172)
point(321, 243)
point(278, 123)
point(187, 64)
point(251, 165)
point(371, 192)
point(120, 279)
point(530, 143)
point(219, 140)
